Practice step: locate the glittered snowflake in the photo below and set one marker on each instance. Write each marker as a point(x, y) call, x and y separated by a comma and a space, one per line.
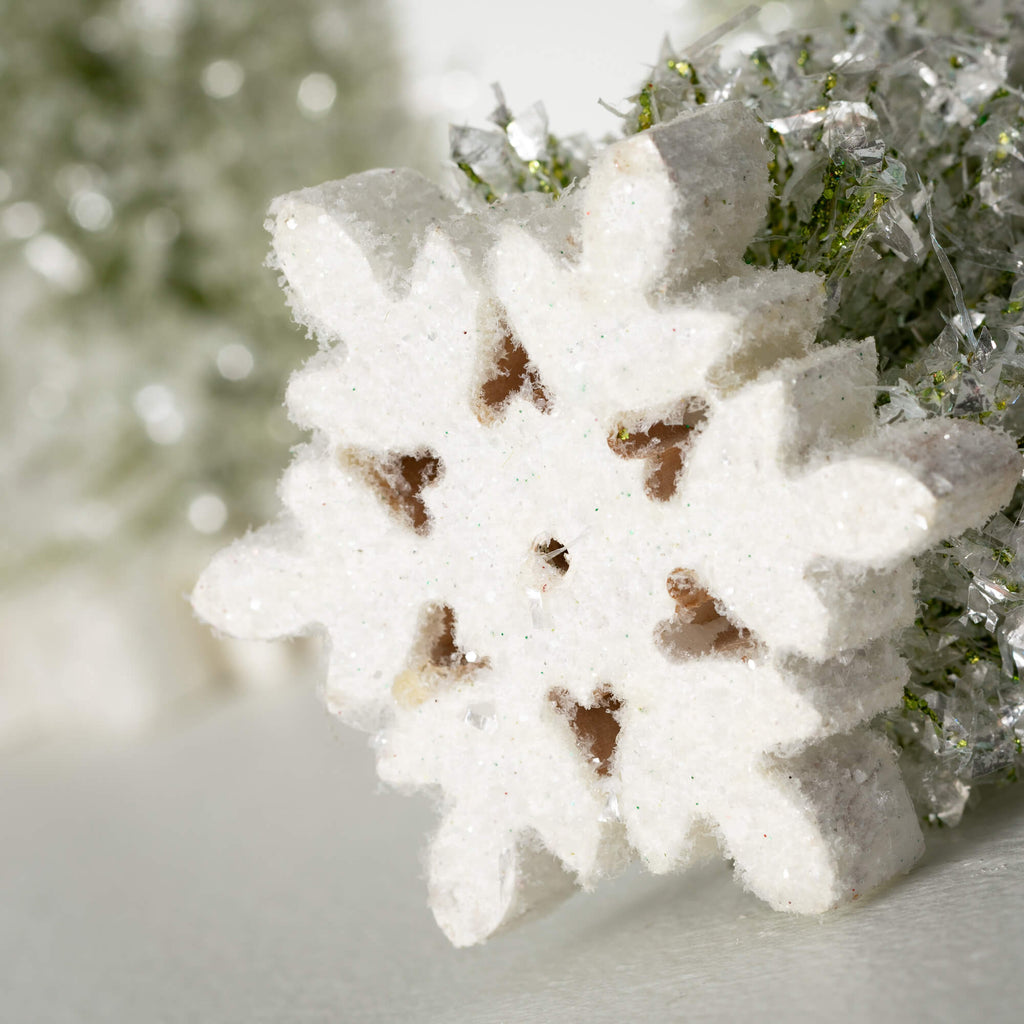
point(606, 550)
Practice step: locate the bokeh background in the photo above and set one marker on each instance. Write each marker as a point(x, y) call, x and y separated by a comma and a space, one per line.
point(144, 347)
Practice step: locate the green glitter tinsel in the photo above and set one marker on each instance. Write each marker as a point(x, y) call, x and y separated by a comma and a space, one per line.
point(896, 140)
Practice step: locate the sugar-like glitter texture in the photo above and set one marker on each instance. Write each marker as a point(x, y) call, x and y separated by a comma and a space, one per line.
point(609, 554)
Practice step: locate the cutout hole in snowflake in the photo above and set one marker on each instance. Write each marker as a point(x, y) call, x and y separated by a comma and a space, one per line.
point(594, 725)
point(436, 659)
point(508, 370)
point(662, 444)
point(698, 627)
point(398, 480)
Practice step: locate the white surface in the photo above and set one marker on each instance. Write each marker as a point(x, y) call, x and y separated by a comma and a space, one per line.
point(569, 55)
point(242, 868)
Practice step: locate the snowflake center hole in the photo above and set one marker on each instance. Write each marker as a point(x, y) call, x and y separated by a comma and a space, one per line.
point(553, 554)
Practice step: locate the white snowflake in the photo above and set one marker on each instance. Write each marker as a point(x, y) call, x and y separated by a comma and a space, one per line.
point(602, 546)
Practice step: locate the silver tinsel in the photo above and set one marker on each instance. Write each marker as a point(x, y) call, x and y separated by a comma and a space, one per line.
point(897, 141)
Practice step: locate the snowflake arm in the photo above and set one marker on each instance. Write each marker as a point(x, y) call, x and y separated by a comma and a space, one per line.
point(514, 785)
point(868, 501)
point(281, 580)
point(641, 240)
point(369, 295)
point(749, 788)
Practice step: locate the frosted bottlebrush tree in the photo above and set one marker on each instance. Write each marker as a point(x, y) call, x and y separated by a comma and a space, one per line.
point(143, 346)
point(608, 551)
point(142, 144)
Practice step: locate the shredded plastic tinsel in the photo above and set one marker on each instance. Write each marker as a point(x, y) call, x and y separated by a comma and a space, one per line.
point(898, 163)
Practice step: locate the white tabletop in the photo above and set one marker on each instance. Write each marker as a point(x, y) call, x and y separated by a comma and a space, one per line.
point(245, 867)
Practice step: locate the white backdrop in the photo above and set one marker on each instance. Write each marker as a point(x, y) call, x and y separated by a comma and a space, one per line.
point(567, 54)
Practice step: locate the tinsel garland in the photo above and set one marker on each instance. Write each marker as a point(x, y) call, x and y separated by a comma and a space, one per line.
point(896, 151)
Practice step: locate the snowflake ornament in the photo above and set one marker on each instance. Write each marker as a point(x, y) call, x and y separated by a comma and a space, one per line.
point(608, 552)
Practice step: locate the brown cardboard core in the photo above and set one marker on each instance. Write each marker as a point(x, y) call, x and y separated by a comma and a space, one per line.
point(698, 627)
point(663, 444)
point(507, 372)
point(436, 658)
point(439, 637)
point(596, 727)
point(398, 480)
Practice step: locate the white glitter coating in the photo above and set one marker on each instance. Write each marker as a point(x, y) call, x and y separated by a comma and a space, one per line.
point(533, 526)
